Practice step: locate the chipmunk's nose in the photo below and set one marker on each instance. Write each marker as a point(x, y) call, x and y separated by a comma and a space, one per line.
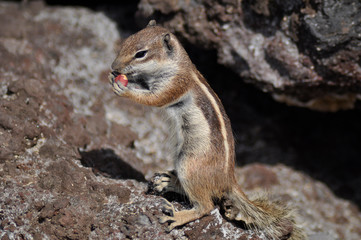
point(116, 65)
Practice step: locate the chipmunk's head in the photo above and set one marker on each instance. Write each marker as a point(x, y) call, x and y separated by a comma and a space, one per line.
point(149, 58)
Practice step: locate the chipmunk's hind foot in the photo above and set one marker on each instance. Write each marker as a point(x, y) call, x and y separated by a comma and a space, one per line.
point(175, 219)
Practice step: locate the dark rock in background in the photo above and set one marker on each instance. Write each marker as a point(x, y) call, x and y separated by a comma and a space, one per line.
point(305, 53)
point(73, 156)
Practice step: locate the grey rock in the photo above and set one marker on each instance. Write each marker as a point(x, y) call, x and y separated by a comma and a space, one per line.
point(321, 236)
point(304, 53)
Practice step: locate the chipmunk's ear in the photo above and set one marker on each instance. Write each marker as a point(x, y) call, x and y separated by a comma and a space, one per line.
point(152, 23)
point(167, 42)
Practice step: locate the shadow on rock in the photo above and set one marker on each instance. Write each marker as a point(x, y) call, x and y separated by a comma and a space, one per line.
point(106, 163)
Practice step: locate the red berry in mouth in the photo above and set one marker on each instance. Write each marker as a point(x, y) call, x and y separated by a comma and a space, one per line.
point(122, 79)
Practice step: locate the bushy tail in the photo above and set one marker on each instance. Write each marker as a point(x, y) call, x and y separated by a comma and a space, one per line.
point(275, 219)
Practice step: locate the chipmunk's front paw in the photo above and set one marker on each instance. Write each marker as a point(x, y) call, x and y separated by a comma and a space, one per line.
point(165, 182)
point(160, 182)
point(118, 82)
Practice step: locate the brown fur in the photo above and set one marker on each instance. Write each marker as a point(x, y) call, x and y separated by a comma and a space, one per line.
point(202, 136)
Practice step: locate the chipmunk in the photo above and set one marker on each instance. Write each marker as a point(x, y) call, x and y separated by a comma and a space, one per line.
point(152, 68)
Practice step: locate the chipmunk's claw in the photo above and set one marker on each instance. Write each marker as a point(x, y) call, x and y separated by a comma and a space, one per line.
point(118, 90)
point(159, 182)
point(117, 87)
point(166, 219)
point(171, 226)
point(167, 208)
point(111, 78)
point(161, 174)
point(172, 223)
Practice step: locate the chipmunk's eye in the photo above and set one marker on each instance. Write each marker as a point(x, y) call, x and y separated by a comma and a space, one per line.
point(140, 54)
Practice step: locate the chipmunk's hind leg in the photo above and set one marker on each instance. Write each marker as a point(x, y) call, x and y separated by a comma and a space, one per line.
point(202, 205)
point(180, 218)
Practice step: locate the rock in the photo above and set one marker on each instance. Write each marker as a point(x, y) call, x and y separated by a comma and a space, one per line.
point(316, 204)
point(74, 157)
point(304, 53)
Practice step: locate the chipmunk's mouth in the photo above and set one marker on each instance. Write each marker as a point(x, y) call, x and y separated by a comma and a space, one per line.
point(129, 80)
point(116, 77)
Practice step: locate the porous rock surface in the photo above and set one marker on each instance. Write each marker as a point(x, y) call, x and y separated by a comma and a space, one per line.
point(304, 52)
point(74, 157)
